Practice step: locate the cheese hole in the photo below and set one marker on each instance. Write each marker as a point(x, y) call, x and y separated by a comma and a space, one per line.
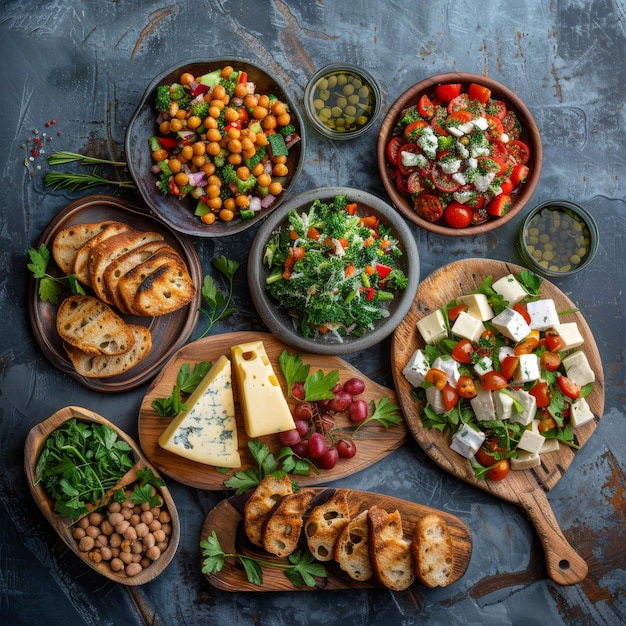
point(273, 380)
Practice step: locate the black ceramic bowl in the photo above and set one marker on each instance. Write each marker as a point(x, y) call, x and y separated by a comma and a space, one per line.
point(279, 321)
point(179, 214)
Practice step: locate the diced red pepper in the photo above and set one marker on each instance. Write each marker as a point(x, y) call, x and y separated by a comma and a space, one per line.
point(243, 77)
point(370, 293)
point(383, 270)
point(168, 142)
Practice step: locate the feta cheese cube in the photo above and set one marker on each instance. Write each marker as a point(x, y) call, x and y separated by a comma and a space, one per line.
point(542, 314)
point(435, 398)
point(432, 327)
point(511, 324)
point(468, 327)
point(415, 370)
point(477, 305)
point(510, 289)
point(528, 369)
point(483, 365)
point(505, 351)
point(528, 405)
point(531, 441)
point(549, 445)
point(570, 334)
point(580, 413)
point(483, 405)
point(467, 440)
point(525, 460)
point(450, 367)
point(504, 405)
point(577, 367)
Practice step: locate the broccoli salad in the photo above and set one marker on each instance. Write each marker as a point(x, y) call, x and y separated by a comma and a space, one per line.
point(334, 269)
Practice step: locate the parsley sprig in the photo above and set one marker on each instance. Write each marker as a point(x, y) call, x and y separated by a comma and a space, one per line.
point(218, 304)
point(186, 382)
point(50, 287)
point(386, 413)
point(302, 568)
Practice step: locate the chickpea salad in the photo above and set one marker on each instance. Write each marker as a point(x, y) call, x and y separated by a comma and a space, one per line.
point(334, 268)
point(221, 143)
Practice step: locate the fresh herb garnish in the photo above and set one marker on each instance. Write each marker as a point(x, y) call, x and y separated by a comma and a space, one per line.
point(386, 413)
point(531, 282)
point(301, 569)
point(218, 303)
point(317, 386)
point(186, 382)
point(65, 156)
point(50, 287)
point(293, 369)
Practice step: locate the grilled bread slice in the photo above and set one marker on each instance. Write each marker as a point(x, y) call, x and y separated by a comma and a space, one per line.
point(282, 529)
point(390, 553)
point(101, 256)
point(167, 289)
point(352, 548)
point(81, 262)
point(70, 240)
point(432, 551)
point(91, 366)
point(260, 504)
point(325, 523)
point(123, 264)
point(93, 327)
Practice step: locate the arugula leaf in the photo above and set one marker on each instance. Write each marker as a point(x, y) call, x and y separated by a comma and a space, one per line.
point(386, 413)
point(293, 369)
point(186, 382)
point(531, 282)
point(218, 304)
point(301, 569)
point(50, 287)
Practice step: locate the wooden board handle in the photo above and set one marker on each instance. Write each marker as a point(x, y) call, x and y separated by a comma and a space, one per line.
point(565, 566)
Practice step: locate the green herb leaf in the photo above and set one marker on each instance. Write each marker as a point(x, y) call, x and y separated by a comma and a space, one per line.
point(319, 386)
point(388, 414)
point(187, 381)
point(293, 369)
point(531, 282)
point(50, 287)
point(77, 182)
point(65, 156)
point(218, 305)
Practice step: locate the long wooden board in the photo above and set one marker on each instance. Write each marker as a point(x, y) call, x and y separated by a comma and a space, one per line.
point(525, 488)
point(373, 441)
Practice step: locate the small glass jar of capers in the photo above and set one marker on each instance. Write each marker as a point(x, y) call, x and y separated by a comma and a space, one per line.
point(558, 238)
point(342, 101)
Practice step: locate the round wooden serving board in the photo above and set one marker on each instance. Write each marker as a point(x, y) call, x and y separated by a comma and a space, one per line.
point(35, 442)
point(525, 488)
point(373, 441)
point(226, 519)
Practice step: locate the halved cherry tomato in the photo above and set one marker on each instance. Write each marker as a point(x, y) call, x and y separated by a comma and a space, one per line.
point(568, 387)
point(523, 311)
point(411, 132)
point(416, 183)
point(507, 186)
point(491, 164)
point(484, 458)
point(526, 345)
point(449, 396)
point(498, 150)
point(495, 129)
point(454, 312)
point(500, 205)
point(407, 169)
point(480, 215)
point(466, 387)
point(499, 471)
point(497, 108)
point(519, 174)
point(447, 92)
point(393, 150)
point(428, 206)
point(541, 392)
point(479, 92)
point(554, 341)
point(459, 103)
point(444, 181)
point(401, 183)
point(458, 215)
point(461, 116)
point(518, 151)
point(463, 350)
point(425, 107)
point(550, 361)
point(436, 377)
point(493, 380)
point(508, 365)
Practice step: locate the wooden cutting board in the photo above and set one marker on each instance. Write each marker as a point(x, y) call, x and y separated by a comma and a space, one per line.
point(226, 519)
point(526, 488)
point(373, 441)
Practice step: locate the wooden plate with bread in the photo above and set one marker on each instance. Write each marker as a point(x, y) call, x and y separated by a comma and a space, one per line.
point(142, 284)
point(362, 539)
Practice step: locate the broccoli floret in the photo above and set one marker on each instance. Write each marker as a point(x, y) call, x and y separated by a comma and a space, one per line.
point(162, 100)
point(409, 116)
point(177, 91)
point(230, 83)
point(285, 131)
point(229, 175)
point(201, 109)
point(185, 102)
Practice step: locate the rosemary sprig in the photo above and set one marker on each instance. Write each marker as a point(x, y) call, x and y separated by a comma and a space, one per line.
point(65, 156)
point(75, 182)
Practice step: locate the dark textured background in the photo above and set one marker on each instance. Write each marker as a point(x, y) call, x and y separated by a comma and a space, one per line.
point(87, 63)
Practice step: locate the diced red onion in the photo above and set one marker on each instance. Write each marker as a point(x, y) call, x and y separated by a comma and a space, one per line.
point(197, 179)
point(255, 203)
point(292, 139)
point(267, 201)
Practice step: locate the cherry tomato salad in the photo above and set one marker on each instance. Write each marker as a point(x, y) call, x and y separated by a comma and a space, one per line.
point(458, 155)
point(222, 143)
point(501, 376)
point(334, 268)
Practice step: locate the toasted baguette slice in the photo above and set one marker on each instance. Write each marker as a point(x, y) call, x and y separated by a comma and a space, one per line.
point(352, 548)
point(70, 240)
point(93, 327)
point(128, 285)
point(123, 264)
point(281, 531)
point(110, 249)
point(81, 262)
point(91, 366)
point(432, 551)
point(168, 289)
point(260, 504)
point(390, 552)
point(325, 523)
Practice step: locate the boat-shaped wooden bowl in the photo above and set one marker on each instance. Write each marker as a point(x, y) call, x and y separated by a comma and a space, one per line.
point(64, 526)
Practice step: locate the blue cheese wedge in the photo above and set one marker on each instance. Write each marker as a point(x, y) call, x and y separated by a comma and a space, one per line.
point(206, 432)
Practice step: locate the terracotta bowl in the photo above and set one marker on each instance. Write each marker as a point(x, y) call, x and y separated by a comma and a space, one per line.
point(530, 136)
point(179, 214)
point(279, 321)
